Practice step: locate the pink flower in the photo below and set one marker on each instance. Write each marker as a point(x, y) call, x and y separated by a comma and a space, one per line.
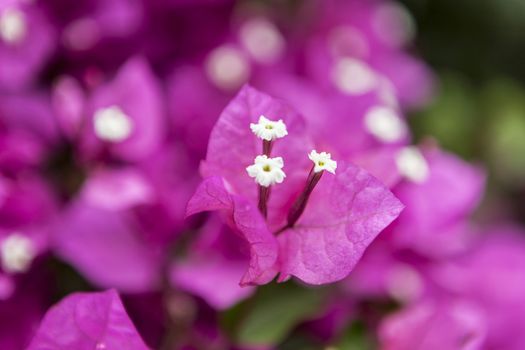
point(357, 47)
point(317, 239)
point(88, 321)
point(123, 119)
point(27, 40)
point(433, 325)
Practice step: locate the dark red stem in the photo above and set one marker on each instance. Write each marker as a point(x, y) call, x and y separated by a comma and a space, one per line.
point(267, 148)
point(300, 203)
point(264, 194)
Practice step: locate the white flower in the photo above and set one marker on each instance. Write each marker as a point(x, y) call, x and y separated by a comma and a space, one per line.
point(268, 129)
point(112, 124)
point(412, 165)
point(227, 67)
point(13, 25)
point(353, 76)
point(16, 252)
point(322, 161)
point(262, 40)
point(267, 171)
point(385, 124)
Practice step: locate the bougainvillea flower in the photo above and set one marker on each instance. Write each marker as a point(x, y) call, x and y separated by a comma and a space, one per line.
point(350, 50)
point(344, 214)
point(123, 118)
point(88, 321)
point(440, 191)
point(27, 40)
point(450, 324)
point(126, 115)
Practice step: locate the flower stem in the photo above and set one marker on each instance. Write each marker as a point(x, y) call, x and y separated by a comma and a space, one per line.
point(300, 203)
point(267, 147)
point(264, 194)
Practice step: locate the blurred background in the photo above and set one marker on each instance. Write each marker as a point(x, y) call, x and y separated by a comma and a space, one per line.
point(477, 47)
point(96, 217)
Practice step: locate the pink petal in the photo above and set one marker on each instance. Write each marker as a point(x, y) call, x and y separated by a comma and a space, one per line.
point(451, 192)
point(107, 249)
point(434, 326)
point(88, 321)
point(69, 104)
point(344, 215)
point(117, 189)
point(212, 195)
point(213, 278)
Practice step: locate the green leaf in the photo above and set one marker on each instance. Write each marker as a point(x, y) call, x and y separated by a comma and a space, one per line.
point(275, 311)
point(355, 338)
point(452, 118)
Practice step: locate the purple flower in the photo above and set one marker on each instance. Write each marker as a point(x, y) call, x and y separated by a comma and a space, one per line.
point(27, 40)
point(429, 325)
point(88, 321)
point(357, 47)
point(440, 191)
point(320, 238)
point(123, 118)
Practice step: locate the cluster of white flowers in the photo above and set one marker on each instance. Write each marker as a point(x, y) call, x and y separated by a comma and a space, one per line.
point(268, 171)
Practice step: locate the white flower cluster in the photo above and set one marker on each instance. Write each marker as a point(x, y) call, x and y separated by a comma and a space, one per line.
point(268, 171)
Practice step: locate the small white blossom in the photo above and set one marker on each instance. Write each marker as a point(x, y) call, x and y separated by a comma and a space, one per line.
point(353, 76)
point(268, 129)
point(262, 40)
point(13, 25)
point(412, 165)
point(16, 252)
point(112, 124)
point(385, 124)
point(227, 67)
point(322, 161)
point(404, 283)
point(267, 171)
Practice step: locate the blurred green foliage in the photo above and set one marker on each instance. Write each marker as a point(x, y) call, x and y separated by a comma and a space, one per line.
point(477, 48)
point(272, 313)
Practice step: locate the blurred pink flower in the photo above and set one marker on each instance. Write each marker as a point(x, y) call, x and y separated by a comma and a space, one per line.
point(88, 321)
